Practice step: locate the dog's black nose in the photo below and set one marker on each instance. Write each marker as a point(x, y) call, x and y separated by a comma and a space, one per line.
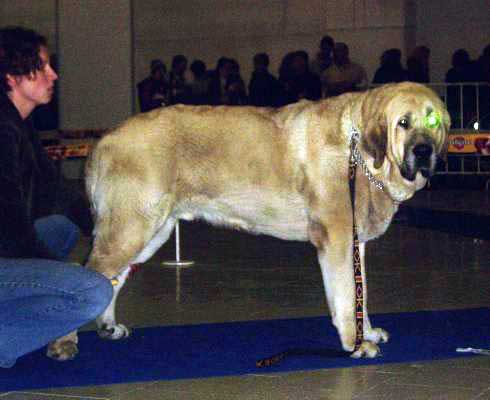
point(422, 151)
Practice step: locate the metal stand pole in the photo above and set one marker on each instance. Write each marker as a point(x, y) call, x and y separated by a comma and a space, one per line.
point(177, 262)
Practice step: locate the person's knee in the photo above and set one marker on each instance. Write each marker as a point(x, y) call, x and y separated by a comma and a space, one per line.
point(98, 296)
point(58, 233)
point(67, 224)
point(103, 293)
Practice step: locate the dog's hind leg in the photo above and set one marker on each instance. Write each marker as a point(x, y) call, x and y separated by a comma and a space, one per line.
point(106, 322)
point(107, 328)
point(64, 348)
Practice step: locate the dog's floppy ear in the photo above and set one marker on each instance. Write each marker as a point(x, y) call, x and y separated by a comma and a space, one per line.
point(446, 124)
point(444, 148)
point(374, 137)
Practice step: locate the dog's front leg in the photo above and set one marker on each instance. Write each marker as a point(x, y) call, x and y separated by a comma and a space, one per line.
point(375, 335)
point(334, 248)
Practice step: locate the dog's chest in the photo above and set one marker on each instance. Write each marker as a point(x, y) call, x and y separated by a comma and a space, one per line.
point(374, 216)
point(282, 215)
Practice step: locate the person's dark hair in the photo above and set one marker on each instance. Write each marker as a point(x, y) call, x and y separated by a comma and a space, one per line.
point(221, 63)
point(391, 57)
point(304, 55)
point(285, 67)
point(261, 59)
point(177, 60)
point(198, 68)
point(157, 64)
point(19, 53)
point(460, 58)
point(327, 43)
point(235, 66)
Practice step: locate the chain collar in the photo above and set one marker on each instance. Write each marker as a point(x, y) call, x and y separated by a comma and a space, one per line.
point(356, 158)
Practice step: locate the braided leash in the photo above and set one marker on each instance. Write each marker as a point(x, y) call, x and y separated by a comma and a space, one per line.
point(356, 256)
point(354, 159)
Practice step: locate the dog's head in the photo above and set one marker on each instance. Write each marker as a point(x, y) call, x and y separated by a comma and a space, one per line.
point(405, 126)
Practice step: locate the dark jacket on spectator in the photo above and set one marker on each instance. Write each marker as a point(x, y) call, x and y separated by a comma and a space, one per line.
point(306, 86)
point(387, 74)
point(29, 182)
point(264, 90)
point(215, 89)
point(152, 93)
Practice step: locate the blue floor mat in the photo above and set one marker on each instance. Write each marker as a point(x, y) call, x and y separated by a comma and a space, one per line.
point(209, 350)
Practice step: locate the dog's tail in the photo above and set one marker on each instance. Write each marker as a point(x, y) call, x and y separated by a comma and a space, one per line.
point(96, 168)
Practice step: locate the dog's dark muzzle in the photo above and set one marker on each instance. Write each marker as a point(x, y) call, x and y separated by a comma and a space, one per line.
point(421, 158)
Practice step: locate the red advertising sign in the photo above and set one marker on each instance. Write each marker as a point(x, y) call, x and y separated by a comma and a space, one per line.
point(470, 143)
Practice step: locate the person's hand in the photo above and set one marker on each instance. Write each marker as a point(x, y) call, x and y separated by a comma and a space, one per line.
point(158, 96)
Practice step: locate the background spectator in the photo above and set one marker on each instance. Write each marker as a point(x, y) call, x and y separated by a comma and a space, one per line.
point(391, 68)
point(218, 79)
point(482, 70)
point(483, 75)
point(153, 91)
point(199, 86)
point(235, 92)
point(461, 71)
point(264, 89)
point(297, 80)
point(418, 65)
point(343, 75)
point(323, 58)
point(179, 91)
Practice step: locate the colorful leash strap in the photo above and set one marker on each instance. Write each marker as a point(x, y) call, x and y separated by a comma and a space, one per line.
point(356, 255)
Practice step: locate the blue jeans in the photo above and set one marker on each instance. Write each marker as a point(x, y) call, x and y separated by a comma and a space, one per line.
point(42, 300)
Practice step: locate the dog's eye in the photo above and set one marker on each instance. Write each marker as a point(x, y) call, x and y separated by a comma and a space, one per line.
point(404, 123)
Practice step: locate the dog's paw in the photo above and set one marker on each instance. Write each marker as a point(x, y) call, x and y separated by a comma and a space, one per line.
point(376, 335)
point(367, 350)
point(62, 350)
point(115, 332)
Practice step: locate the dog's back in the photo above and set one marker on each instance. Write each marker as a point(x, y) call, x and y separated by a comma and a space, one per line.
point(198, 149)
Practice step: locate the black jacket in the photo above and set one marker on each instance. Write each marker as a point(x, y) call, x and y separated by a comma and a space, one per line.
point(29, 182)
point(264, 90)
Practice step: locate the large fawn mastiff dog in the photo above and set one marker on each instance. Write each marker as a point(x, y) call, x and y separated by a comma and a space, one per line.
point(281, 172)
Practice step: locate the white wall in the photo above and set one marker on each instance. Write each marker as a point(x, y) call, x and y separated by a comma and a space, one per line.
point(39, 15)
point(446, 25)
point(95, 63)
